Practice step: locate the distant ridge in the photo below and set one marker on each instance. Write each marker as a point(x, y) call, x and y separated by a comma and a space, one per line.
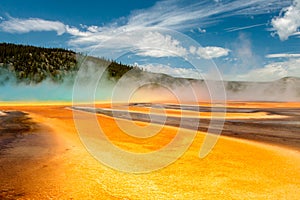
point(289, 79)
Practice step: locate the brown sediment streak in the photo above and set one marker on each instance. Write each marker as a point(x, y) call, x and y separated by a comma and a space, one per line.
point(196, 114)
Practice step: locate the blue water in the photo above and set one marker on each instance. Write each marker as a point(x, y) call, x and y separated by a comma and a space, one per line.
point(46, 91)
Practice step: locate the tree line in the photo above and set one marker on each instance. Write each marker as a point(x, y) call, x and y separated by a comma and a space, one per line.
point(32, 64)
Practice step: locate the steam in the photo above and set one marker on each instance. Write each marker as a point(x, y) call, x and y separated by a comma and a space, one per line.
point(46, 91)
point(12, 89)
point(149, 87)
point(285, 89)
point(94, 84)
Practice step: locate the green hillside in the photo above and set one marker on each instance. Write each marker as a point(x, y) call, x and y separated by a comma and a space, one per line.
point(31, 64)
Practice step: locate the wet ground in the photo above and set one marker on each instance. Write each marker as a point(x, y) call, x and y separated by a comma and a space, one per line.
point(53, 163)
point(13, 125)
point(284, 129)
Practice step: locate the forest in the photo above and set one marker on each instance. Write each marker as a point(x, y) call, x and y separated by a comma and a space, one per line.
point(32, 65)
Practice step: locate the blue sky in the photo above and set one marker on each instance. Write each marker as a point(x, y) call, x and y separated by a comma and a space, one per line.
point(246, 39)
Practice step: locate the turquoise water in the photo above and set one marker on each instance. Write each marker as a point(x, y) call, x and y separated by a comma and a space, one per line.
point(47, 91)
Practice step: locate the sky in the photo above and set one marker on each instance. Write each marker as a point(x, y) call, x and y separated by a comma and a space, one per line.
point(245, 40)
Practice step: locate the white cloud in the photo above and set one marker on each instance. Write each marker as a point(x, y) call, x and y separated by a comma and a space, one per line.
point(94, 29)
point(158, 45)
point(209, 52)
point(166, 14)
point(283, 55)
point(176, 14)
point(76, 32)
point(144, 42)
point(193, 49)
point(288, 22)
point(172, 71)
point(270, 72)
point(15, 25)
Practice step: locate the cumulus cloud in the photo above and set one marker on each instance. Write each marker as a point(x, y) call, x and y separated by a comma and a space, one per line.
point(209, 52)
point(143, 42)
point(16, 25)
point(155, 44)
point(76, 32)
point(288, 22)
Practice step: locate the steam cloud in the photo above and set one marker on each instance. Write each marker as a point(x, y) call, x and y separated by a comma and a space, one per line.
point(143, 87)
